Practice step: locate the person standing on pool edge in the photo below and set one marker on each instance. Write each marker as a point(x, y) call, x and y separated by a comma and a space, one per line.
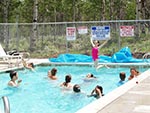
point(96, 45)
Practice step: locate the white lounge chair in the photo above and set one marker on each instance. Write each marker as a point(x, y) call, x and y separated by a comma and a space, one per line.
point(10, 59)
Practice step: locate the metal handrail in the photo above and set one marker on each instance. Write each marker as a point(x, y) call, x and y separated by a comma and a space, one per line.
point(6, 104)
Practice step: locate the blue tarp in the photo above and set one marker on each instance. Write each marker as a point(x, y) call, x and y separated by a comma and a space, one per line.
point(122, 56)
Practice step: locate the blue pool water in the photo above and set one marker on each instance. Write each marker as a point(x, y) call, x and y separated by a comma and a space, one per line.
point(39, 94)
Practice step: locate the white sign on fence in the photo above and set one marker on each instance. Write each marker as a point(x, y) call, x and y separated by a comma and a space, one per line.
point(126, 31)
point(71, 33)
point(100, 32)
point(82, 30)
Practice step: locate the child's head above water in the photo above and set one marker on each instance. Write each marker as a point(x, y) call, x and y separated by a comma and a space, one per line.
point(76, 88)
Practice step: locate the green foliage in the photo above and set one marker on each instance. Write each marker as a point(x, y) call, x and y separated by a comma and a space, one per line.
point(67, 10)
point(130, 11)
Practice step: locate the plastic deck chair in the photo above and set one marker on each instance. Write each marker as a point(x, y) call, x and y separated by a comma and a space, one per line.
point(9, 58)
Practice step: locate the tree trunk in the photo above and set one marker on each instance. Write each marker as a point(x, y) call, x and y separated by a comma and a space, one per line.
point(104, 10)
point(137, 18)
point(34, 35)
point(111, 9)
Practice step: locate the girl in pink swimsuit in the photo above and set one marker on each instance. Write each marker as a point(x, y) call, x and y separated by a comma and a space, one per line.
point(95, 48)
point(95, 53)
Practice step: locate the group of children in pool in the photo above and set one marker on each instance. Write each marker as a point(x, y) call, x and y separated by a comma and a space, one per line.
point(133, 74)
point(97, 92)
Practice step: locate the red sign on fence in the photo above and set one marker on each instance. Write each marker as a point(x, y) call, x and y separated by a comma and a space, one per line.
point(71, 33)
point(126, 31)
point(82, 30)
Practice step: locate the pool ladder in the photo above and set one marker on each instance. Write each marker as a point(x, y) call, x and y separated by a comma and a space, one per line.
point(6, 104)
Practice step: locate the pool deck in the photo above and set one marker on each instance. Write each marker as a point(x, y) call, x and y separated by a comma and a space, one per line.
point(128, 98)
point(5, 66)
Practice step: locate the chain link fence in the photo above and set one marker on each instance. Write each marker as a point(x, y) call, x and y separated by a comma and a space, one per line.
point(49, 39)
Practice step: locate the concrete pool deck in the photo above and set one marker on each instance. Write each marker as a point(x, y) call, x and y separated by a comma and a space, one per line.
point(5, 66)
point(128, 98)
point(135, 100)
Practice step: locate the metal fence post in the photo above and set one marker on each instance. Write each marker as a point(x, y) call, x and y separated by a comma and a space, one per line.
point(66, 41)
point(118, 27)
point(17, 36)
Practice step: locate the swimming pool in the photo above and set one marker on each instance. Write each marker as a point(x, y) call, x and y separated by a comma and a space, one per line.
point(38, 94)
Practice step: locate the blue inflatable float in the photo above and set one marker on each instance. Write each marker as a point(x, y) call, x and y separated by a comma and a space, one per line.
point(122, 56)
